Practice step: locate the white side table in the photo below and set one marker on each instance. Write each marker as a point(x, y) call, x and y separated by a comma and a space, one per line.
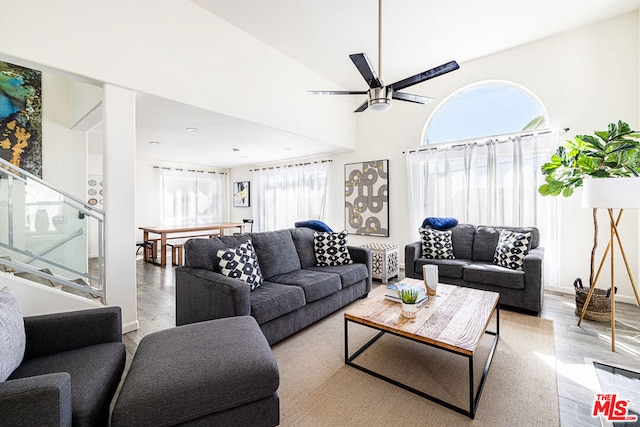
point(385, 260)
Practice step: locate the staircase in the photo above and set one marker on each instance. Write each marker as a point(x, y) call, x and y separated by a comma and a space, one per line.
point(49, 237)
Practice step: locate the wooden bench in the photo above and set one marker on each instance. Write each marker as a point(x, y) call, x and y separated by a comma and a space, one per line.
point(176, 252)
point(150, 248)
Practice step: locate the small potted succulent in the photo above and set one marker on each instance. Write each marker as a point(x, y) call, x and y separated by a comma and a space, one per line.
point(409, 298)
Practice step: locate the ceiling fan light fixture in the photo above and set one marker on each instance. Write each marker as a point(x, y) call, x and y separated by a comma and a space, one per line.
point(380, 104)
point(380, 98)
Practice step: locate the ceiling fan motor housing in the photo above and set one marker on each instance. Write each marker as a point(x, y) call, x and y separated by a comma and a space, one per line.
point(380, 98)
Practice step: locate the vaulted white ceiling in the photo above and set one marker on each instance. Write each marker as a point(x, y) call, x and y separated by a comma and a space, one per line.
point(417, 35)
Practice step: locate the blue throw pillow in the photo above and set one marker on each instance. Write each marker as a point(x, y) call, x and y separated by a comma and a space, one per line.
point(314, 224)
point(440, 223)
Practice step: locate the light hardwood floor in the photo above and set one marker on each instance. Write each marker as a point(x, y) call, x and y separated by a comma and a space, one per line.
point(156, 311)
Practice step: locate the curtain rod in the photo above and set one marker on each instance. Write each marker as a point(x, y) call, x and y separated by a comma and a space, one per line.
point(465, 142)
point(291, 166)
point(188, 170)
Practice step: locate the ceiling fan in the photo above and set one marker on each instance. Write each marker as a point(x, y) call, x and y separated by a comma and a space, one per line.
point(379, 96)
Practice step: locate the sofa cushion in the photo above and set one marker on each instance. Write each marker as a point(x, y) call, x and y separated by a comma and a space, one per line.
point(272, 300)
point(350, 274)
point(462, 238)
point(436, 244)
point(315, 284)
point(95, 373)
point(331, 249)
point(203, 252)
point(486, 240)
point(303, 239)
point(241, 263)
point(511, 249)
point(446, 267)
point(12, 337)
point(491, 274)
point(276, 252)
point(439, 223)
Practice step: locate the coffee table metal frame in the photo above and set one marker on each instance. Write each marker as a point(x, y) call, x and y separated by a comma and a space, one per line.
point(474, 398)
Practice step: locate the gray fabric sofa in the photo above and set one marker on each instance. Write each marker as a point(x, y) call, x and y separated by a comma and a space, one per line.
point(216, 373)
point(295, 294)
point(71, 369)
point(474, 248)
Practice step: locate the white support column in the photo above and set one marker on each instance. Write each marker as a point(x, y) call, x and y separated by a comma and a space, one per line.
point(119, 177)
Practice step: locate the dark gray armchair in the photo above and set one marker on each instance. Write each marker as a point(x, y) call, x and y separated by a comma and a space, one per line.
point(71, 369)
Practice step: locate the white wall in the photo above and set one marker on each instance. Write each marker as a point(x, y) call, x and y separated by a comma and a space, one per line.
point(156, 47)
point(580, 85)
point(63, 150)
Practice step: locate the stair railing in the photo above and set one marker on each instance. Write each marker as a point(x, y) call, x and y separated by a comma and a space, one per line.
point(54, 249)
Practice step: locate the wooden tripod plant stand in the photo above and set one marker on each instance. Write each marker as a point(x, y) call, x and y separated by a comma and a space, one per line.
point(610, 251)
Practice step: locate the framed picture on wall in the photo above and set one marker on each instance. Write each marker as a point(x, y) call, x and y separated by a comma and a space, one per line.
point(366, 198)
point(241, 195)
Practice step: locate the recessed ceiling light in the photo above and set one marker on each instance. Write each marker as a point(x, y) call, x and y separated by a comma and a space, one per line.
point(154, 142)
point(191, 129)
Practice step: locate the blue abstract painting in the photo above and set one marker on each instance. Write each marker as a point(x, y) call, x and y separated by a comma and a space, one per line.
point(21, 117)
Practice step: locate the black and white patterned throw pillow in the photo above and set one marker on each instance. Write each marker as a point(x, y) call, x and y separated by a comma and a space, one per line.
point(511, 249)
point(436, 244)
point(241, 263)
point(331, 249)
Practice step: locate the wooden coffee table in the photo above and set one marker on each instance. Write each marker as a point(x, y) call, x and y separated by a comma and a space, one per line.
point(468, 310)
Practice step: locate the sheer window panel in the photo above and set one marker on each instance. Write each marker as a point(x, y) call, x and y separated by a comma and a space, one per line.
point(192, 197)
point(487, 182)
point(288, 194)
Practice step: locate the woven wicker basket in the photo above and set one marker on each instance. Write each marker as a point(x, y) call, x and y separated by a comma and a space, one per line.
point(599, 308)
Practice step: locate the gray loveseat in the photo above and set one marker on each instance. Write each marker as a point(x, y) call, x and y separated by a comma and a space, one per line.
point(474, 248)
point(296, 292)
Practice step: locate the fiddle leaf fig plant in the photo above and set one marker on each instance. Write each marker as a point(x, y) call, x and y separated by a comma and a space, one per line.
point(611, 153)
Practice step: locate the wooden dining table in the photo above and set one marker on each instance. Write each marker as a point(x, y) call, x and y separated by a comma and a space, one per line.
point(186, 231)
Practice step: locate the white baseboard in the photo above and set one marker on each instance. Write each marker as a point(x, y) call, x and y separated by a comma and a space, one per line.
point(130, 327)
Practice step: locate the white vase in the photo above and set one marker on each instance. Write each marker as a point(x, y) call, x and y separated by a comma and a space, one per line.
point(41, 222)
point(430, 277)
point(410, 311)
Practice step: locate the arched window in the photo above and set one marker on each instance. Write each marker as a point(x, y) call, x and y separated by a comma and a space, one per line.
point(485, 109)
point(491, 174)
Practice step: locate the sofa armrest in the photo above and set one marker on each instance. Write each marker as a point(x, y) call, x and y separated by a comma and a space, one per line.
point(533, 278)
point(412, 252)
point(41, 400)
point(58, 332)
point(361, 255)
point(205, 295)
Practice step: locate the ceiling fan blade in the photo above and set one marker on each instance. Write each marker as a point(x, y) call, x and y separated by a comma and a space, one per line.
point(411, 98)
point(338, 92)
point(363, 65)
point(362, 107)
point(426, 75)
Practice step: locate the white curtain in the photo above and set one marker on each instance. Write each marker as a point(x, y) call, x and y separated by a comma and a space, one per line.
point(288, 194)
point(487, 182)
point(192, 197)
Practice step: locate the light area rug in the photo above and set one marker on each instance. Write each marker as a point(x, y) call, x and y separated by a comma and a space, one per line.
point(318, 389)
